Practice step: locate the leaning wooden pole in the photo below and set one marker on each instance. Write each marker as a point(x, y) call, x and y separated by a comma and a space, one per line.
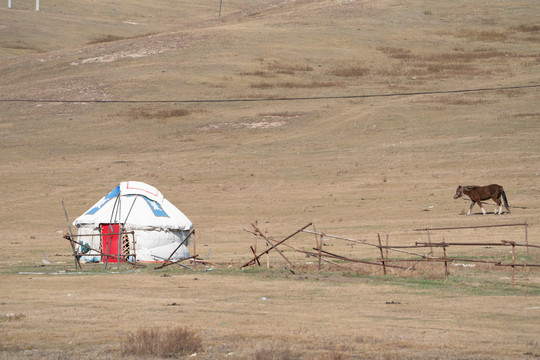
point(179, 261)
point(255, 245)
point(257, 231)
point(429, 240)
point(77, 262)
point(192, 231)
point(340, 257)
point(274, 246)
point(255, 254)
point(267, 257)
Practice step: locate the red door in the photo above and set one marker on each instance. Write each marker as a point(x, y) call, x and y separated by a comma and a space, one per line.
point(110, 234)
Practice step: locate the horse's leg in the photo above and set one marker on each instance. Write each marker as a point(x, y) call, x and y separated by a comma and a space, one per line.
point(479, 202)
point(497, 200)
point(470, 208)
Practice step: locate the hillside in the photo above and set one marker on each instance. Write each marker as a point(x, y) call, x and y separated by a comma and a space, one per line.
point(346, 163)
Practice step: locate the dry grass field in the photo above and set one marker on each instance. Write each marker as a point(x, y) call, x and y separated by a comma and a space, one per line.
point(354, 115)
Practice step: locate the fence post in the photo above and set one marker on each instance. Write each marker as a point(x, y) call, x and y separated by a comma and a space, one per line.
point(526, 238)
point(513, 259)
point(382, 254)
point(319, 246)
point(445, 262)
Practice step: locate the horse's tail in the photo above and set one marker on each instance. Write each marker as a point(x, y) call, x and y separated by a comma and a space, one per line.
point(504, 199)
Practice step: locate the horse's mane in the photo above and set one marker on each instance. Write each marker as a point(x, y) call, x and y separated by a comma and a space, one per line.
point(470, 187)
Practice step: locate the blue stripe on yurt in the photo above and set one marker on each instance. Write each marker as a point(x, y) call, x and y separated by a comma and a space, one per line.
point(114, 193)
point(156, 208)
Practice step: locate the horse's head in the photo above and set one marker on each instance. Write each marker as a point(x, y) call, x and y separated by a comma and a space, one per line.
point(459, 192)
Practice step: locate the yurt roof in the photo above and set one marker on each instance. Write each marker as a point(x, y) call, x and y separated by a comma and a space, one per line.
point(137, 205)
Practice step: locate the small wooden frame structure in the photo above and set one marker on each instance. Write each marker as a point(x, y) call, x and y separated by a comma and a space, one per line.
point(125, 257)
point(98, 253)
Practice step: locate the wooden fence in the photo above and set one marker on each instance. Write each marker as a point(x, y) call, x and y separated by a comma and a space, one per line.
point(409, 254)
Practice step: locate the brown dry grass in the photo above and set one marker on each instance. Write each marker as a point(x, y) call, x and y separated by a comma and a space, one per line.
point(162, 342)
point(354, 167)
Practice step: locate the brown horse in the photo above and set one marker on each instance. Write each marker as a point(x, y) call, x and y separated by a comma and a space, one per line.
point(479, 193)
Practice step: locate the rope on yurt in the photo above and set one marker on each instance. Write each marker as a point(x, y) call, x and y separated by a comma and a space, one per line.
point(124, 222)
point(119, 244)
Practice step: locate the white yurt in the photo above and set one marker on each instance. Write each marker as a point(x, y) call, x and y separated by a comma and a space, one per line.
point(136, 218)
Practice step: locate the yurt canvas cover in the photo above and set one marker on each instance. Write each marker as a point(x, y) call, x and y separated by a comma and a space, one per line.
point(153, 227)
